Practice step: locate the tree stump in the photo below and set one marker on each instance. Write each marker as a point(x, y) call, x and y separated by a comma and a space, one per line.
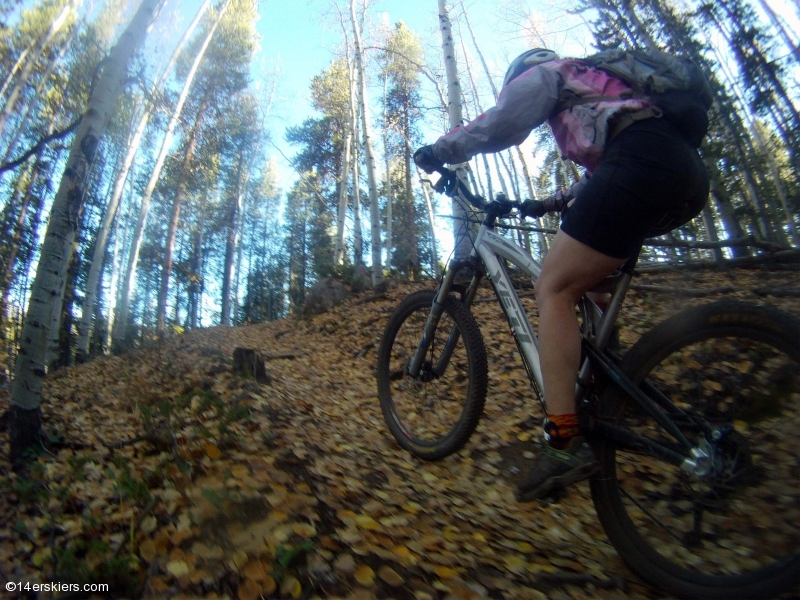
point(250, 363)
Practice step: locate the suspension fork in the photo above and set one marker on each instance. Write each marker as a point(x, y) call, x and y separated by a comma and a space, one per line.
point(437, 309)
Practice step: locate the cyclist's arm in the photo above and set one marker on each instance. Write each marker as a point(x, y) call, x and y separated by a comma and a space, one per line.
point(524, 104)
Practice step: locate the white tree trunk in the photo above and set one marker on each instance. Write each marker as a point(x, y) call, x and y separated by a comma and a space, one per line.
point(20, 61)
point(344, 176)
point(120, 259)
point(27, 69)
point(85, 325)
point(388, 180)
point(462, 243)
point(136, 244)
point(358, 236)
point(44, 84)
point(372, 177)
point(431, 223)
point(50, 280)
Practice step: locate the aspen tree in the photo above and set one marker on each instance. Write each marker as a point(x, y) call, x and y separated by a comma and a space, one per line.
point(520, 154)
point(431, 224)
point(462, 242)
point(43, 86)
point(169, 245)
point(358, 236)
point(31, 61)
point(388, 167)
point(372, 177)
point(120, 322)
point(101, 240)
point(344, 175)
point(48, 287)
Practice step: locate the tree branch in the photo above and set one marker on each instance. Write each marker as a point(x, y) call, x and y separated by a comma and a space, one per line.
point(748, 241)
point(305, 179)
point(422, 68)
point(39, 145)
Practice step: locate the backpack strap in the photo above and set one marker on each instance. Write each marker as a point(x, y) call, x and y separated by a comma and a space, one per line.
point(572, 101)
point(625, 120)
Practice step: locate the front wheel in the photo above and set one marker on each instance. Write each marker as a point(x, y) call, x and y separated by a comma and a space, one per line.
point(733, 531)
point(434, 413)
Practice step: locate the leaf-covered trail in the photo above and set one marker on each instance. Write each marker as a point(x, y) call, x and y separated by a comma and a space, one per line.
point(181, 479)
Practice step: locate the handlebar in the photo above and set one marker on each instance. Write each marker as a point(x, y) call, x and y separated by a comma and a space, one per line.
point(450, 185)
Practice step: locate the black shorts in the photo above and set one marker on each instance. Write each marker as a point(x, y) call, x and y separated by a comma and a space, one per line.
point(649, 182)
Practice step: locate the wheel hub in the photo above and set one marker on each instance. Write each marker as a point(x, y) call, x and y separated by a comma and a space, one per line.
point(720, 464)
point(426, 372)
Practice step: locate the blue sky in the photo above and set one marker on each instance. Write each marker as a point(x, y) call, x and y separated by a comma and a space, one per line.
point(299, 40)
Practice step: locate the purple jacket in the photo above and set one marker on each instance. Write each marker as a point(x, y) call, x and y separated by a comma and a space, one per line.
point(531, 99)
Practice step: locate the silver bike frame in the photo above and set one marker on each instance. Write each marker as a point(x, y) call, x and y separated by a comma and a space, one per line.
point(489, 246)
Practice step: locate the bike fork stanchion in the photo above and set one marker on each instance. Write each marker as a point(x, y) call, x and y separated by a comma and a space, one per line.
point(433, 321)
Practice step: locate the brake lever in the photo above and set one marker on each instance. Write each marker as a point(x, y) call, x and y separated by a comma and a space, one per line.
point(447, 184)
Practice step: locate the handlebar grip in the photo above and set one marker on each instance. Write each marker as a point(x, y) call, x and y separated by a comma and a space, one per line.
point(450, 185)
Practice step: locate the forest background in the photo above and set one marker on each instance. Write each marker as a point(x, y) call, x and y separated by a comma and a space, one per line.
point(166, 166)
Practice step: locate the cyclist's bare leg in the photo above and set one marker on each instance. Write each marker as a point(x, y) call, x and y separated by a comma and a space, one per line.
point(569, 270)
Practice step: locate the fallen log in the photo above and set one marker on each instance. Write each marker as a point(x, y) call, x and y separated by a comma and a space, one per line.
point(693, 292)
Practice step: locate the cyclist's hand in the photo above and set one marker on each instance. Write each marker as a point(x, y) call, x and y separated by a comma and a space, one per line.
point(426, 160)
point(532, 208)
point(558, 202)
point(447, 184)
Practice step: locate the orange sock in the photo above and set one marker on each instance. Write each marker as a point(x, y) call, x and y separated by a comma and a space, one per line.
point(560, 429)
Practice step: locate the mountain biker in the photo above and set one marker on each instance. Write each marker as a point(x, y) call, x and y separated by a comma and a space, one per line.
point(643, 176)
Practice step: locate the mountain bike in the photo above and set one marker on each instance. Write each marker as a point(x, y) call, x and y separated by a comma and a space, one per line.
point(695, 427)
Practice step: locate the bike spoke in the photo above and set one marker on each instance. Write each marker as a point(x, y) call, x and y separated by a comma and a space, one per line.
point(733, 508)
point(652, 517)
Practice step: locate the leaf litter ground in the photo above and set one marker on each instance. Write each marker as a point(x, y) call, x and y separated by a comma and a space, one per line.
point(172, 477)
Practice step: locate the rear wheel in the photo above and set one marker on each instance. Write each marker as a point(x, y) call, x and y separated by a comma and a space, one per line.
point(433, 414)
point(735, 531)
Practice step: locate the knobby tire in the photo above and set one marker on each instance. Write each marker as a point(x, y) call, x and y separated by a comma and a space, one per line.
point(737, 533)
point(432, 416)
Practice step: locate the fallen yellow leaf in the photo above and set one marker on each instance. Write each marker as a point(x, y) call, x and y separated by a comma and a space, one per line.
point(177, 568)
point(198, 575)
point(149, 524)
point(254, 570)
point(249, 590)
point(515, 564)
point(445, 572)
point(367, 522)
point(268, 586)
point(291, 587)
point(390, 576)
point(364, 575)
point(212, 452)
point(525, 547)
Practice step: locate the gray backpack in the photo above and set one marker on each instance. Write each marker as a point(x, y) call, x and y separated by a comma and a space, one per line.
point(675, 84)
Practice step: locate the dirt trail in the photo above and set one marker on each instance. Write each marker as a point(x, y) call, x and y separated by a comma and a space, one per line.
point(296, 488)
